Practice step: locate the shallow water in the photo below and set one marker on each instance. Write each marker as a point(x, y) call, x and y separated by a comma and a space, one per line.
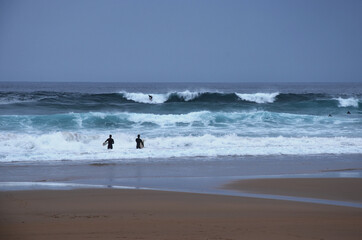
point(181, 175)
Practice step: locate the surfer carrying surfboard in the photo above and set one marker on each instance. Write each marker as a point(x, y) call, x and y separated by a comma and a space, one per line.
point(139, 142)
point(110, 142)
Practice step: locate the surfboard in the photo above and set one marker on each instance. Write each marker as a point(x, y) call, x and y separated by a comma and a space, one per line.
point(104, 144)
point(142, 144)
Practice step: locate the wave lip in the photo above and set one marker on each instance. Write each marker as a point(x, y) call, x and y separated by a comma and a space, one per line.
point(188, 96)
point(347, 102)
point(258, 97)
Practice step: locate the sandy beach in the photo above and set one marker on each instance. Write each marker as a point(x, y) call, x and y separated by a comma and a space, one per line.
point(144, 214)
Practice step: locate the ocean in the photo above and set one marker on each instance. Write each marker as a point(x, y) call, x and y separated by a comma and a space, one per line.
point(49, 122)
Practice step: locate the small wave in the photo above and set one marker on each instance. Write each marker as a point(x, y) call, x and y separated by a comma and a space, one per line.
point(13, 101)
point(258, 97)
point(347, 102)
point(14, 98)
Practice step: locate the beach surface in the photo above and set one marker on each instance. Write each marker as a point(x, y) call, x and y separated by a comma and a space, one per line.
point(146, 214)
point(340, 189)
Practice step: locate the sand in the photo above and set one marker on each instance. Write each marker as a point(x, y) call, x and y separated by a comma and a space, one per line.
point(142, 214)
point(341, 189)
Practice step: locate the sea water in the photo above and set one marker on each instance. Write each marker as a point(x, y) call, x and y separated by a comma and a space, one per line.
point(70, 121)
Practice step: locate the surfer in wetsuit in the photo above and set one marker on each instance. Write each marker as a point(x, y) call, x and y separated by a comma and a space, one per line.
point(110, 142)
point(150, 97)
point(139, 142)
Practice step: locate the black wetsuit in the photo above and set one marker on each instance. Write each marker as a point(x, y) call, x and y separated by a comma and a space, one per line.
point(139, 141)
point(110, 143)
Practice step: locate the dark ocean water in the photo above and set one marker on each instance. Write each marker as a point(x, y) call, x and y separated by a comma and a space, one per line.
point(69, 121)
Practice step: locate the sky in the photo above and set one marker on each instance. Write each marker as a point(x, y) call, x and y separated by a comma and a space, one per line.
point(181, 40)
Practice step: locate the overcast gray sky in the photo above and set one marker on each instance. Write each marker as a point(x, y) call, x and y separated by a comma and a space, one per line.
point(156, 40)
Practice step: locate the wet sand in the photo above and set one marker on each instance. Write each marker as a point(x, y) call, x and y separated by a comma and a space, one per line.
point(142, 214)
point(341, 189)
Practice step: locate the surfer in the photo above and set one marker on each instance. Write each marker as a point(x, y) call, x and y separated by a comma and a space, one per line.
point(110, 142)
point(139, 142)
point(150, 97)
point(348, 112)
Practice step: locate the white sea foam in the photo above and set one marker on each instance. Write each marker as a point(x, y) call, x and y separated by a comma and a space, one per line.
point(144, 98)
point(258, 97)
point(170, 119)
point(187, 95)
point(347, 102)
point(88, 146)
point(159, 98)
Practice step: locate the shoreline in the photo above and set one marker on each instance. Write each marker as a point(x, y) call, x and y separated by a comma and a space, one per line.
point(189, 159)
point(248, 166)
point(184, 175)
point(341, 192)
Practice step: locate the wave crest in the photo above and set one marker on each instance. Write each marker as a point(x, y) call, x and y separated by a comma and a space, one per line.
point(201, 96)
point(158, 98)
point(347, 102)
point(252, 123)
point(258, 97)
point(144, 98)
point(110, 100)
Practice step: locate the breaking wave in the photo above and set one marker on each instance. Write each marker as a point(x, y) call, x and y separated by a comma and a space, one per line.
point(225, 121)
point(347, 102)
point(187, 96)
point(86, 100)
point(258, 97)
point(88, 146)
